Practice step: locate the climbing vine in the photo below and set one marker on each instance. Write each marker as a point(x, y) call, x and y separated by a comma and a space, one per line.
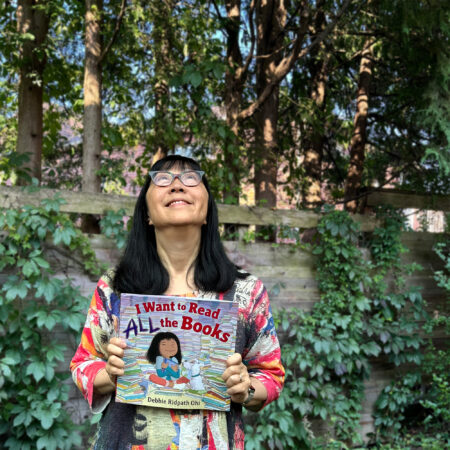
point(364, 311)
point(36, 308)
point(422, 396)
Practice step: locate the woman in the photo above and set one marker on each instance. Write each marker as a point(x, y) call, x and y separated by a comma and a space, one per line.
point(174, 249)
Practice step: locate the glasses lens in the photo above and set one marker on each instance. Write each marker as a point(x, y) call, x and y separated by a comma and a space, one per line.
point(190, 178)
point(162, 178)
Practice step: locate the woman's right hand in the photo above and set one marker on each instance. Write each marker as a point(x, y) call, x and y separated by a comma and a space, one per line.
point(115, 365)
point(105, 381)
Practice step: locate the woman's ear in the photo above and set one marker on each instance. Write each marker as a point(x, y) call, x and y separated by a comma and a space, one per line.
point(150, 221)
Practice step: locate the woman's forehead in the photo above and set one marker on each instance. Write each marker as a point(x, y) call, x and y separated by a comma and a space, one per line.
point(176, 166)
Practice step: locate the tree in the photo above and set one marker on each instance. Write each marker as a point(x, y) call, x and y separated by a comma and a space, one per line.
point(318, 68)
point(358, 140)
point(163, 41)
point(272, 69)
point(235, 78)
point(92, 118)
point(32, 25)
point(271, 19)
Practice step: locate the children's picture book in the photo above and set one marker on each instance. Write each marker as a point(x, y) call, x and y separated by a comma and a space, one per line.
point(176, 351)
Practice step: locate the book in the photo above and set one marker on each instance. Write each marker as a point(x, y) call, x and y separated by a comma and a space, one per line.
point(176, 351)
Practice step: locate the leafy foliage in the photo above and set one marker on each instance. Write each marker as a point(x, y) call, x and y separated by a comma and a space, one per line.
point(35, 307)
point(113, 226)
point(327, 351)
point(426, 391)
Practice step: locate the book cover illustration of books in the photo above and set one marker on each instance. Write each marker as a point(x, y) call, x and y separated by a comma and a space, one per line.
point(176, 352)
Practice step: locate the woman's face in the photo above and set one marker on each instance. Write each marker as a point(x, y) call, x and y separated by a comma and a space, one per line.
point(177, 204)
point(168, 348)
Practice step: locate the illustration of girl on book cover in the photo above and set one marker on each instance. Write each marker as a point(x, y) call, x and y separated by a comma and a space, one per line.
point(165, 353)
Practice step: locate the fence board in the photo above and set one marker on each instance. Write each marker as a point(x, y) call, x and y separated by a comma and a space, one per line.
point(405, 199)
point(90, 203)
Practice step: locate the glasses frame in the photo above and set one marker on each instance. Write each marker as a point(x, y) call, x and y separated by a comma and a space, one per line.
point(153, 173)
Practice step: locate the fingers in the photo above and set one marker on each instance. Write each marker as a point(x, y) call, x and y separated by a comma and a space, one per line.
point(234, 366)
point(236, 378)
point(234, 360)
point(115, 364)
point(116, 346)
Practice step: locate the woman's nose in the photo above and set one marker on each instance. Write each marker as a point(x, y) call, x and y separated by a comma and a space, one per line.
point(177, 185)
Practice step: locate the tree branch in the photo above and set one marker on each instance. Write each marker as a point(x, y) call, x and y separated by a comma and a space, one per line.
point(288, 62)
point(369, 191)
point(242, 72)
point(221, 18)
point(116, 31)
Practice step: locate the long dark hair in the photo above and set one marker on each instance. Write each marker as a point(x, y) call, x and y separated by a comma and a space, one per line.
point(153, 350)
point(140, 270)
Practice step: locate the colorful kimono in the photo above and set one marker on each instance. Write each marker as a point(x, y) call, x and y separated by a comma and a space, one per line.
point(125, 426)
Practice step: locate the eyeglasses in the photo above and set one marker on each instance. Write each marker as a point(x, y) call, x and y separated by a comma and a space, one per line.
point(189, 178)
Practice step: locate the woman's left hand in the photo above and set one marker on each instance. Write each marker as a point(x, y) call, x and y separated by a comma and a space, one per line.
point(236, 378)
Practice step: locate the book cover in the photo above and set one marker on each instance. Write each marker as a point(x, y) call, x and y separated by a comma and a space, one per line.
point(176, 352)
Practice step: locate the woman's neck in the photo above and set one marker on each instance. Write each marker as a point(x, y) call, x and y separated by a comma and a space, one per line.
point(178, 248)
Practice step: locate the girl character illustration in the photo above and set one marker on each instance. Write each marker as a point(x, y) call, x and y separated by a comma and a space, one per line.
point(165, 353)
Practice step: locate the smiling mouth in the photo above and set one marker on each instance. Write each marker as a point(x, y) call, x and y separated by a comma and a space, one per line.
point(177, 202)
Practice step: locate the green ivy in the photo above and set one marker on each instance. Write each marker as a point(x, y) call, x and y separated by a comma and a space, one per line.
point(35, 306)
point(364, 311)
point(113, 226)
point(427, 388)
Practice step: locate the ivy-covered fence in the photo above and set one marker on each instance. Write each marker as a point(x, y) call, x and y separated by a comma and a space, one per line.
point(354, 310)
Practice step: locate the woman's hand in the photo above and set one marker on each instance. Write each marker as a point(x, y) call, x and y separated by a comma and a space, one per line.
point(105, 381)
point(115, 365)
point(237, 379)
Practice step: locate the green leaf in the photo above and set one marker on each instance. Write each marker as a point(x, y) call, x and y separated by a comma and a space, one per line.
point(46, 418)
point(196, 79)
point(19, 290)
point(41, 262)
point(20, 419)
point(49, 373)
point(8, 360)
point(317, 346)
point(363, 303)
point(46, 289)
point(30, 268)
point(37, 369)
point(64, 234)
point(55, 353)
point(222, 132)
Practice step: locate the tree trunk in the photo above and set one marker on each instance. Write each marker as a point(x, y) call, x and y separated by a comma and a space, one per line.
point(234, 85)
point(358, 141)
point(270, 19)
point(266, 152)
point(162, 39)
point(30, 116)
point(92, 120)
point(315, 138)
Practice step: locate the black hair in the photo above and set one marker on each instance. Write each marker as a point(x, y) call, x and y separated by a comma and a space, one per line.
point(140, 270)
point(153, 350)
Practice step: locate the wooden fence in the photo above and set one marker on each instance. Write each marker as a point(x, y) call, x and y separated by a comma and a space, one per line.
point(295, 270)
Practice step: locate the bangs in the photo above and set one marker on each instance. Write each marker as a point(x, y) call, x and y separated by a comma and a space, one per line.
point(175, 161)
